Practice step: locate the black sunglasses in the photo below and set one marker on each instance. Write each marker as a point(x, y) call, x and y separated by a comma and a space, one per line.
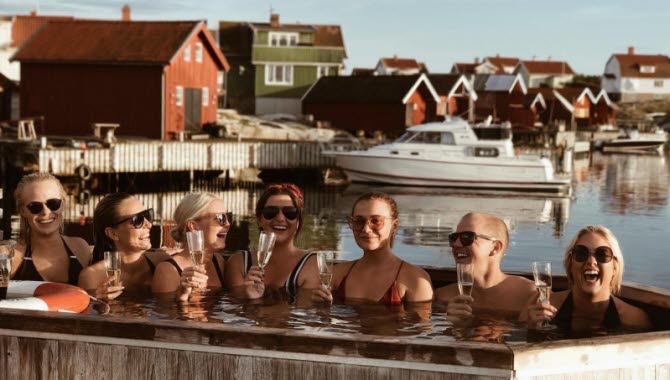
point(137, 220)
point(222, 218)
point(603, 255)
point(37, 207)
point(290, 213)
point(467, 237)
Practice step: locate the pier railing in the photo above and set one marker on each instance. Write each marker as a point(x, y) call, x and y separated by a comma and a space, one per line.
point(173, 156)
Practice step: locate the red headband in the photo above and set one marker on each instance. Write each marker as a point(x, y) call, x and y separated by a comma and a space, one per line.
point(287, 186)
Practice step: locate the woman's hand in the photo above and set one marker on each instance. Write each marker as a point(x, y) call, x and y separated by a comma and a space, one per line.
point(253, 282)
point(537, 313)
point(106, 292)
point(192, 277)
point(459, 309)
point(322, 295)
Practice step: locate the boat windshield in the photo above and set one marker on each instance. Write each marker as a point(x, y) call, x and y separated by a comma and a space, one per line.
point(446, 138)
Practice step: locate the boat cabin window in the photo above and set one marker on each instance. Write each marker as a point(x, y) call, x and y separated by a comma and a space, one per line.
point(427, 138)
point(448, 138)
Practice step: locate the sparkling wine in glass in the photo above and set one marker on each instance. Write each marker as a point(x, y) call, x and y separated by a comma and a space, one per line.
point(266, 242)
point(324, 260)
point(113, 266)
point(464, 275)
point(196, 248)
point(542, 276)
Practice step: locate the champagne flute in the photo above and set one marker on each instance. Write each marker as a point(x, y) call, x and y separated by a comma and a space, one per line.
point(266, 241)
point(113, 265)
point(196, 249)
point(324, 259)
point(464, 275)
point(542, 276)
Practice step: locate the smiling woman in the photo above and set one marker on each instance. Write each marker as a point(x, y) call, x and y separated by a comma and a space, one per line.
point(43, 253)
point(279, 210)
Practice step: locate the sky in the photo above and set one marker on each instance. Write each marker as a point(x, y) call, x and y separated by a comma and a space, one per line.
point(438, 32)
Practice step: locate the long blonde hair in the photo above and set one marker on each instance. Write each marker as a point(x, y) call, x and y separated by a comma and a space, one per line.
point(27, 180)
point(605, 233)
point(190, 208)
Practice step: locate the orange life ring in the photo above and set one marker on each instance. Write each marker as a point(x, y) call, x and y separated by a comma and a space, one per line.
point(45, 296)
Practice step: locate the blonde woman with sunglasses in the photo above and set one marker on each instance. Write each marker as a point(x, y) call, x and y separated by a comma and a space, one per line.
point(481, 240)
point(121, 223)
point(594, 266)
point(279, 210)
point(178, 275)
point(379, 276)
point(43, 253)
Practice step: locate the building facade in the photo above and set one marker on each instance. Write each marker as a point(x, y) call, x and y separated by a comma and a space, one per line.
point(636, 77)
point(554, 74)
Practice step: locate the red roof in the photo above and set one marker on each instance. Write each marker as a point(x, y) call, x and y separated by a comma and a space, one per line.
point(401, 63)
point(114, 42)
point(25, 25)
point(630, 65)
point(548, 67)
point(499, 62)
point(464, 68)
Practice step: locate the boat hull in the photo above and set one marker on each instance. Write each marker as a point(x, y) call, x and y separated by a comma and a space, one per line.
point(636, 147)
point(491, 173)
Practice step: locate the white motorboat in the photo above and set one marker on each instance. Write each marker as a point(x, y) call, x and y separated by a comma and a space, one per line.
point(630, 141)
point(449, 154)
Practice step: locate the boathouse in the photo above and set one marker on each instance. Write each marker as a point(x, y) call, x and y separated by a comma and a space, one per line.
point(457, 96)
point(500, 96)
point(155, 79)
point(570, 106)
point(388, 103)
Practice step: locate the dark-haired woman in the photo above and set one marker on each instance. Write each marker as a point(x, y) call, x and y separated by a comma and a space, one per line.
point(379, 276)
point(121, 223)
point(42, 252)
point(594, 266)
point(280, 210)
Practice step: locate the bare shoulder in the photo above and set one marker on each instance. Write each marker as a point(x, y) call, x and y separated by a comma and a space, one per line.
point(520, 282)
point(412, 271)
point(446, 293)
point(235, 260)
point(631, 316)
point(558, 298)
point(80, 248)
point(341, 268)
point(157, 256)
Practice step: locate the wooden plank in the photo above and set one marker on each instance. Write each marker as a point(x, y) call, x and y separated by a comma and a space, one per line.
point(10, 363)
point(147, 363)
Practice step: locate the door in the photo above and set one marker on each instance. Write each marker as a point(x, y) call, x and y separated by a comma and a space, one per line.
point(192, 106)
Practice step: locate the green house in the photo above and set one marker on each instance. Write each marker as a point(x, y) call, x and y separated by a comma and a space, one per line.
point(272, 65)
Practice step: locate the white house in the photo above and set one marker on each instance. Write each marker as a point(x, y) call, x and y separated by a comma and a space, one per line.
point(635, 77)
point(554, 74)
point(399, 66)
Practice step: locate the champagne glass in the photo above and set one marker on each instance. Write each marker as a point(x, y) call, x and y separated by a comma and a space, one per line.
point(542, 276)
point(324, 259)
point(464, 274)
point(266, 241)
point(113, 265)
point(196, 248)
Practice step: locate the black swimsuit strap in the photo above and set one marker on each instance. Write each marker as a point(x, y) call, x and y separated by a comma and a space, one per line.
point(217, 268)
point(152, 266)
point(75, 267)
point(291, 284)
point(563, 318)
point(174, 263)
point(28, 272)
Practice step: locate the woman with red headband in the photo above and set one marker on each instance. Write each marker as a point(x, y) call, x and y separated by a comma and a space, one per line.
point(280, 210)
point(379, 276)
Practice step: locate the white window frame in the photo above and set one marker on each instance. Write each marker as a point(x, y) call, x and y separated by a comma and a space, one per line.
point(187, 53)
point(275, 37)
point(320, 74)
point(647, 69)
point(658, 83)
point(205, 96)
point(179, 97)
point(198, 52)
point(271, 75)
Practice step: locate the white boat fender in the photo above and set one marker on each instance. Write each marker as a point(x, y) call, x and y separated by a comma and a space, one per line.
point(45, 296)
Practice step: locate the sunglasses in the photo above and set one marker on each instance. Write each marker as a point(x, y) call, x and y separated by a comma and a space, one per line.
point(467, 237)
point(137, 220)
point(223, 218)
point(290, 213)
point(37, 207)
point(375, 222)
point(603, 255)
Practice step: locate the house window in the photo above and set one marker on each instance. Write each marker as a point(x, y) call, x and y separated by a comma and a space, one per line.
point(321, 71)
point(187, 53)
point(647, 69)
point(205, 96)
point(658, 83)
point(198, 52)
point(283, 39)
point(180, 96)
point(279, 75)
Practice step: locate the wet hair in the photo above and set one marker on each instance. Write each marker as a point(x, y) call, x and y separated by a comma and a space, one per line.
point(605, 233)
point(283, 189)
point(190, 208)
point(493, 226)
point(105, 215)
point(371, 196)
point(27, 180)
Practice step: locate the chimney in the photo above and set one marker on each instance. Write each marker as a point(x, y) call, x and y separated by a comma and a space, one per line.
point(33, 13)
point(477, 60)
point(274, 20)
point(631, 50)
point(125, 13)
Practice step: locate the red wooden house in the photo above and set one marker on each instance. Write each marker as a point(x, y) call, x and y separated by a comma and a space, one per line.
point(456, 95)
point(500, 96)
point(152, 78)
point(372, 103)
point(603, 109)
point(570, 106)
